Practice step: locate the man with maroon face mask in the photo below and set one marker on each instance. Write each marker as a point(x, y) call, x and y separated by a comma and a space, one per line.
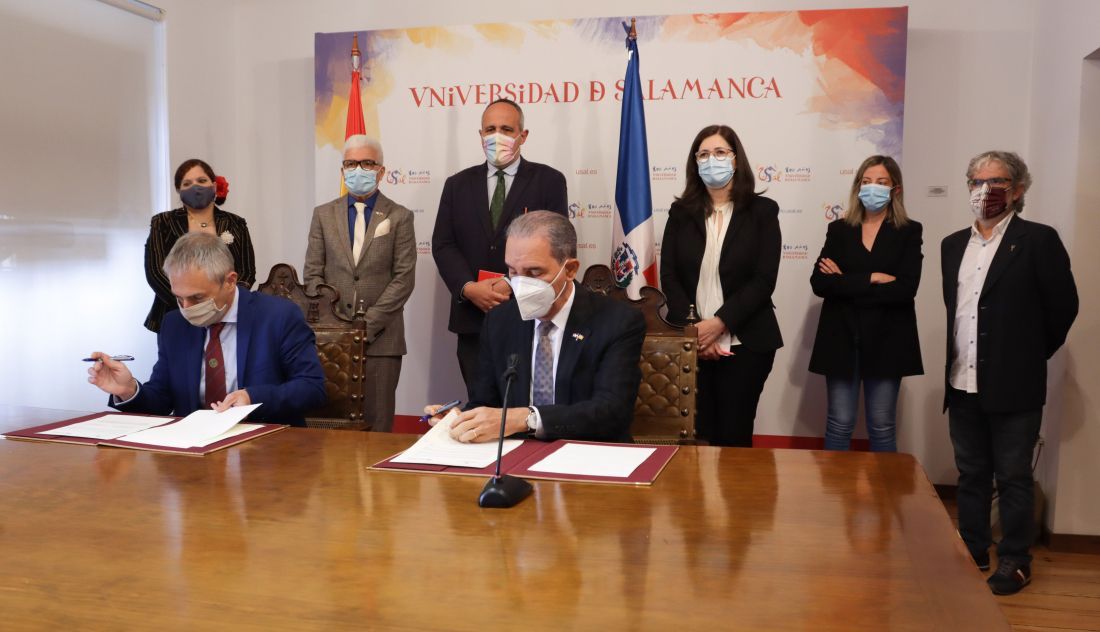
point(1010, 300)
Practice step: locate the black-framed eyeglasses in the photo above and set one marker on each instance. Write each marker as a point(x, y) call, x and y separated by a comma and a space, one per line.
point(366, 164)
point(721, 153)
point(999, 183)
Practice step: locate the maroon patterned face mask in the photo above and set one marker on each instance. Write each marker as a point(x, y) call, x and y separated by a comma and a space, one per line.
point(987, 202)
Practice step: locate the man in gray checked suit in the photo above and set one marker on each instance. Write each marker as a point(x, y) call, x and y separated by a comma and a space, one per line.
point(363, 244)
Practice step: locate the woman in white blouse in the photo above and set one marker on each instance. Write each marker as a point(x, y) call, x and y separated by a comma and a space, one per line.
point(720, 253)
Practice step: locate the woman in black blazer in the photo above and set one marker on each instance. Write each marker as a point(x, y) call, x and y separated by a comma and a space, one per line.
point(195, 184)
point(720, 254)
point(868, 274)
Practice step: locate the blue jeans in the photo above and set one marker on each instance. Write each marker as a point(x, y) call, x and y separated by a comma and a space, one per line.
point(994, 447)
point(880, 403)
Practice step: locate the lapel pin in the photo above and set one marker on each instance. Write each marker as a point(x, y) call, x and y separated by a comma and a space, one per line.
point(578, 336)
point(1011, 247)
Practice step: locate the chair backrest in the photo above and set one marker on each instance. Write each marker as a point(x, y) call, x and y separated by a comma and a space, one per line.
point(665, 409)
point(341, 344)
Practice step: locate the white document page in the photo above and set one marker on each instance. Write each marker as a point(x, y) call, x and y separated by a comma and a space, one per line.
point(195, 430)
point(584, 459)
point(108, 426)
point(437, 447)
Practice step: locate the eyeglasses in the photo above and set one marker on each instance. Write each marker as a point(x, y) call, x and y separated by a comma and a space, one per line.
point(366, 164)
point(719, 153)
point(999, 183)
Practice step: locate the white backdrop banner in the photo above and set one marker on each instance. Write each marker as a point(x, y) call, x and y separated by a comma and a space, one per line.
point(811, 93)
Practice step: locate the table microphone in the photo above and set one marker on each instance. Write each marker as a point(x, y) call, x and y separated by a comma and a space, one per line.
point(504, 491)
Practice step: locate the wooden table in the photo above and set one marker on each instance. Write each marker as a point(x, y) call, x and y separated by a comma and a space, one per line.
point(291, 531)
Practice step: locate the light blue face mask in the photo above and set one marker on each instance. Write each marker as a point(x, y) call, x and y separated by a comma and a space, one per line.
point(360, 182)
point(874, 197)
point(716, 173)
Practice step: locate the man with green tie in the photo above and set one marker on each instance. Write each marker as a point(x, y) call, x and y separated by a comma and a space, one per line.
point(477, 205)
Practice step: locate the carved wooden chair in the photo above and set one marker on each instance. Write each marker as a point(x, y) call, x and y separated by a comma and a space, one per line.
point(340, 344)
point(665, 409)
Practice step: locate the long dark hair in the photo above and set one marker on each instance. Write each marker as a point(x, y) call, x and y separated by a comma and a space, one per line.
point(744, 185)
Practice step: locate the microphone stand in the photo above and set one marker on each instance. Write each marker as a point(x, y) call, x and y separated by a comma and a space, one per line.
point(502, 491)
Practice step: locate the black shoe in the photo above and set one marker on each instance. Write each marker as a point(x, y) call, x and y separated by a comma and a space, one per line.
point(1010, 577)
point(981, 560)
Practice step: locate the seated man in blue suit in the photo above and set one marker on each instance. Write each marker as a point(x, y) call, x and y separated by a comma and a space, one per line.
point(576, 352)
point(224, 347)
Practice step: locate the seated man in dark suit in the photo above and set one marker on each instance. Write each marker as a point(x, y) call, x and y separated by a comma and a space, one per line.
point(578, 373)
point(475, 209)
point(258, 348)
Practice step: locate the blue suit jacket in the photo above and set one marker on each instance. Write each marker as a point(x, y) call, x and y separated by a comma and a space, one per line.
point(277, 363)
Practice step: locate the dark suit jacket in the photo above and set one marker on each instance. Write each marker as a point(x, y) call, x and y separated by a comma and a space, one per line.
point(876, 323)
point(597, 378)
point(1025, 310)
point(277, 363)
point(384, 276)
point(748, 267)
point(164, 229)
point(464, 240)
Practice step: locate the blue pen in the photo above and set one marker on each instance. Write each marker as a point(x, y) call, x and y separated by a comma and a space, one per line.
point(117, 358)
point(442, 410)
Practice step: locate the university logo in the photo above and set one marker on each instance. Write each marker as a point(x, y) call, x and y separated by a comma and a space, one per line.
point(624, 264)
point(768, 173)
point(832, 211)
point(394, 176)
point(575, 211)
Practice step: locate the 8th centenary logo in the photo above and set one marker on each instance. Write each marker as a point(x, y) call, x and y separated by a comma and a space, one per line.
point(832, 211)
point(590, 210)
point(774, 173)
point(411, 176)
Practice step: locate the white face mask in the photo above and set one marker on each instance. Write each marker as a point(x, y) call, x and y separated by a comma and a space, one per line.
point(534, 296)
point(205, 313)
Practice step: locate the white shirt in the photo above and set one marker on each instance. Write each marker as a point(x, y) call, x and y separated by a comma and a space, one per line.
point(228, 338)
point(509, 175)
point(708, 293)
point(975, 265)
point(560, 319)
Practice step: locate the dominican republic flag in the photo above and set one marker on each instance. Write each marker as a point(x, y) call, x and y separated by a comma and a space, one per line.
point(354, 124)
point(633, 251)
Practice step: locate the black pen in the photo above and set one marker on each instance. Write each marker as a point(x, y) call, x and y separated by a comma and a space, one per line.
point(117, 358)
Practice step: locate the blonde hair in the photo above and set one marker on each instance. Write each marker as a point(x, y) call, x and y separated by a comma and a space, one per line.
point(895, 208)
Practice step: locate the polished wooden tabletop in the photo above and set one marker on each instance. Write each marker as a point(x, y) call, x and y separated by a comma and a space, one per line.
point(292, 531)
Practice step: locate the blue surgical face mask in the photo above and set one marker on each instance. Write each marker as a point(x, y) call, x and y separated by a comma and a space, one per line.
point(360, 182)
point(874, 197)
point(716, 173)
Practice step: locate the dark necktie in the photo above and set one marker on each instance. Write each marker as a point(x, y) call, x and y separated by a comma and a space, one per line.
point(496, 206)
point(215, 366)
point(543, 380)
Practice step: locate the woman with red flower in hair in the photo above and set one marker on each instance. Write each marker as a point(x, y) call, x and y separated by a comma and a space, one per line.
point(201, 193)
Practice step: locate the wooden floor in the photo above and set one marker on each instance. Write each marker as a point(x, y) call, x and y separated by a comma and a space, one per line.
point(1064, 593)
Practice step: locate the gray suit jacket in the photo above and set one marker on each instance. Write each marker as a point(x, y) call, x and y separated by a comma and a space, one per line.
point(384, 276)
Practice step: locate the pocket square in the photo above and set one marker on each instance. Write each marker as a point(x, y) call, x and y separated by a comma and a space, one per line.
point(383, 228)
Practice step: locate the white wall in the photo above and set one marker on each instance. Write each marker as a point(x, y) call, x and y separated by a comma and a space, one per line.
point(255, 123)
point(1065, 159)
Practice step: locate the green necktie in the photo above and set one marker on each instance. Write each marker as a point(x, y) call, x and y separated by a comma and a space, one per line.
point(496, 207)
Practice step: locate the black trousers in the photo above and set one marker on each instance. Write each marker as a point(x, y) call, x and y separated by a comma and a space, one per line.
point(988, 447)
point(728, 390)
point(469, 348)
